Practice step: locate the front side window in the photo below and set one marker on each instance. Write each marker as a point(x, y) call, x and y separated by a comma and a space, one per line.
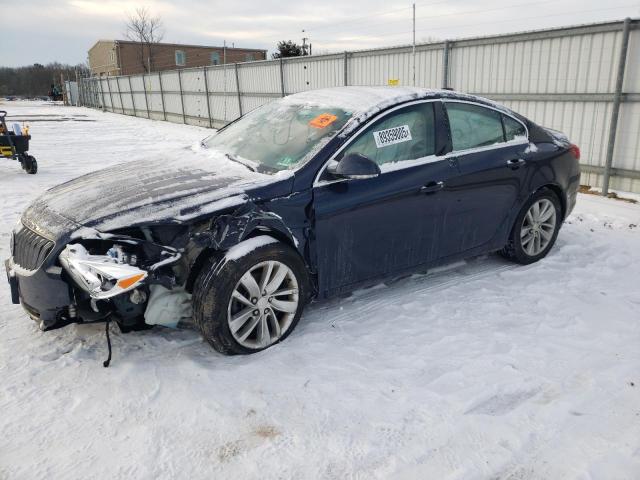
point(248, 57)
point(280, 135)
point(181, 58)
point(473, 126)
point(215, 58)
point(406, 134)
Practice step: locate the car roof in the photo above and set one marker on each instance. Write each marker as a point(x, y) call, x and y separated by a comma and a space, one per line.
point(365, 102)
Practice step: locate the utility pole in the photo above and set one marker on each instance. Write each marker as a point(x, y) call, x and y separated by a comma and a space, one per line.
point(414, 44)
point(304, 44)
point(224, 75)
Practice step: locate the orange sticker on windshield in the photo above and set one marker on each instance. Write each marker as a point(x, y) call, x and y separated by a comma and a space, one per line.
point(323, 120)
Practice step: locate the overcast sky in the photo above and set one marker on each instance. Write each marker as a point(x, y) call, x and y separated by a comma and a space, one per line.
point(63, 30)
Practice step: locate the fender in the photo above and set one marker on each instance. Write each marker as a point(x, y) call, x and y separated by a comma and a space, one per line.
point(229, 229)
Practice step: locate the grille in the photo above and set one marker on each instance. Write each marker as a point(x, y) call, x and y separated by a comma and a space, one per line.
point(30, 249)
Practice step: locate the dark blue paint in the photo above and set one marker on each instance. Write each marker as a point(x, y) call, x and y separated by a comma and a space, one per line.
point(350, 232)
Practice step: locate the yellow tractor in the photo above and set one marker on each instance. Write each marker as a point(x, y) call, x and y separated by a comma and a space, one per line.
point(14, 144)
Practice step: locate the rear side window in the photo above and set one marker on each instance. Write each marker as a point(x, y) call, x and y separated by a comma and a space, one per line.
point(473, 126)
point(513, 129)
point(406, 134)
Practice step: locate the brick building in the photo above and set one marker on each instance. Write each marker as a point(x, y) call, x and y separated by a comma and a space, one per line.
point(124, 57)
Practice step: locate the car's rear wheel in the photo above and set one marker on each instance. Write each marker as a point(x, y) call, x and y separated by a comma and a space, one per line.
point(536, 228)
point(246, 303)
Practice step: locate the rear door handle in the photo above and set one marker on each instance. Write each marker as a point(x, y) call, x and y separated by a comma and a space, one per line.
point(432, 187)
point(515, 163)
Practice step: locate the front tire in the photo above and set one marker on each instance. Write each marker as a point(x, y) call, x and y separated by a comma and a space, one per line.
point(250, 298)
point(536, 228)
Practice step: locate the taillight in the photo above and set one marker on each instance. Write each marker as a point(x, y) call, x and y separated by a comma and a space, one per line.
point(575, 151)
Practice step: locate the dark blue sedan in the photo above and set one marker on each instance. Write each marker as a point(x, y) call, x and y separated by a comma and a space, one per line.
point(307, 197)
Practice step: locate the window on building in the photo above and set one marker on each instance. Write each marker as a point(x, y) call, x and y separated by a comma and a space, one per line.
point(248, 57)
point(215, 58)
point(112, 56)
point(181, 58)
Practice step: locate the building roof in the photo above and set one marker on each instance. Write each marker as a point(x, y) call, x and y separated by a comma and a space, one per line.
point(106, 40)
point(191, 46)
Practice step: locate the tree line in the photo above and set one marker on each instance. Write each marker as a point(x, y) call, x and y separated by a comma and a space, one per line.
point(36, 80)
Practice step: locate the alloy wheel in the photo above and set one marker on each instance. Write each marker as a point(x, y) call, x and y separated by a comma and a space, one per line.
point(538, 227)
point(263, 304)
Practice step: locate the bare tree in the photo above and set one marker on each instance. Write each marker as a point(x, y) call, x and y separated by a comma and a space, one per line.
point(146, 29)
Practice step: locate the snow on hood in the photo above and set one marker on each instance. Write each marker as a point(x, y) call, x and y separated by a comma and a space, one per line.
point(171, 187)
point(365, 102)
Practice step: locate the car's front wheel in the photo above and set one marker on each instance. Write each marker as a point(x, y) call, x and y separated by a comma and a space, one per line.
point(251, 298)
point(536, 228)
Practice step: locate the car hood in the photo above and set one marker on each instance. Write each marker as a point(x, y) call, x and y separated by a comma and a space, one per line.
point(168, 189)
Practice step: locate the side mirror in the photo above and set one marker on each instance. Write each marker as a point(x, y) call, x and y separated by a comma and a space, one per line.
point(356, 166)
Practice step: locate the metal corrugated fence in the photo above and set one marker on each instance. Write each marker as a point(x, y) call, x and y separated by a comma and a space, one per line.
point(584, 81)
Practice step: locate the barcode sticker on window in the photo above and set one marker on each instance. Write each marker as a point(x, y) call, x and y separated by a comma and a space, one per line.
point(391, 136)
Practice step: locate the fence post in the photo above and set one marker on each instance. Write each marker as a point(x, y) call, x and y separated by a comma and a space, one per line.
point(238, 90)
point(346, 68)
point(615, 110)
point(79, 84)
point(120, 94)
point(206, 92)
point(110, 96)
point(133, 101)
point(181, 99)
point(144, 87)
point(445, 64)
point(282, 76)
point(104, 107)
point(164, 113)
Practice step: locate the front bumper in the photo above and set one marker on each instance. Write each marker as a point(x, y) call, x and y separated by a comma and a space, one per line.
point(43, 293)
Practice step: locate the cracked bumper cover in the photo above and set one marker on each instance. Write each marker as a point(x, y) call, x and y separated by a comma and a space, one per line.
point(43, 293)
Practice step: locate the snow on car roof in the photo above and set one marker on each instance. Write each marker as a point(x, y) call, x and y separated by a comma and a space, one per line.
point(365, 102)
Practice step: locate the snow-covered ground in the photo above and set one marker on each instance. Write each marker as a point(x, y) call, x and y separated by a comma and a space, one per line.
point(481, 370)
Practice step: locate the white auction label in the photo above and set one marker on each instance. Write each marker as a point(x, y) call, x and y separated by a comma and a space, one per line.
point(391, 136)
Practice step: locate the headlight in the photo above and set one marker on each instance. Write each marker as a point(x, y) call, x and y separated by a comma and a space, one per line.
point(102, 276)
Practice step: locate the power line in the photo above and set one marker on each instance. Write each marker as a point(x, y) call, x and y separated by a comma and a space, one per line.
point(379, 14)
point(460, 13)
point(429, 29)
point(514, 19)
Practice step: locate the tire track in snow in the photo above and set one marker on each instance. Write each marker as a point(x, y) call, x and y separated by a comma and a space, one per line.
point(441, 279)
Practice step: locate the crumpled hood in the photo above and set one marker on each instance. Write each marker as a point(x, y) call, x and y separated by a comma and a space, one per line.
point(173, 188)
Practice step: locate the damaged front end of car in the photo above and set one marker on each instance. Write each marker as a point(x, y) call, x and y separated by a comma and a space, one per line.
point(127, 278)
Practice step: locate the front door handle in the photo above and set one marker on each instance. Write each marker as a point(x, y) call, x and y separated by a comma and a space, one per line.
point(431, 187)
point(516, 163)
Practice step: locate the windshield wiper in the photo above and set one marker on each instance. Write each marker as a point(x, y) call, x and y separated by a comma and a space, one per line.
point(233, 158)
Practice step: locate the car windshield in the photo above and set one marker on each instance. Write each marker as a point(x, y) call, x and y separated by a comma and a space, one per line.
point(279, 136)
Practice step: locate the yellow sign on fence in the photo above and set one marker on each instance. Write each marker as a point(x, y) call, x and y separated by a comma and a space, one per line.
point(394, 82)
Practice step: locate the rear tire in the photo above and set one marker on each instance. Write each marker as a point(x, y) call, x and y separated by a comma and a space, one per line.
point(29, 164)
point(536, 228)
point(233, 320)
